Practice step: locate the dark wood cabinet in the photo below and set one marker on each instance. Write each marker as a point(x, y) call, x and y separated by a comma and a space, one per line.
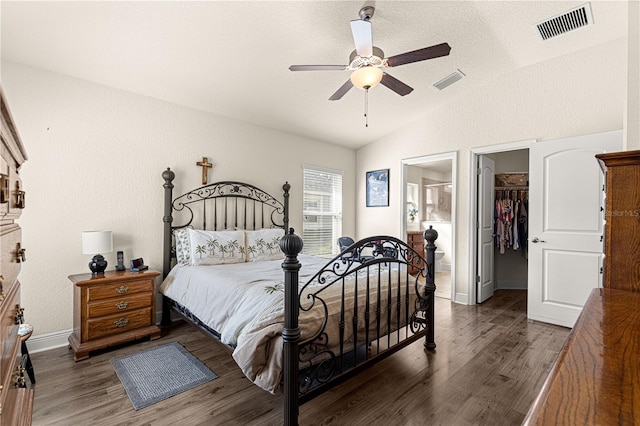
point(112, 308)
point(415, 240)
point(16, 397)
point(622, 220)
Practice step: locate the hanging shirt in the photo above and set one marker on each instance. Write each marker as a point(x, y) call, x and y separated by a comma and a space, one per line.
point(516, 212)
point(507, 218)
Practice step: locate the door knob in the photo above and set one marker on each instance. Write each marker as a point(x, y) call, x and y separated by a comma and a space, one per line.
point(537, 240)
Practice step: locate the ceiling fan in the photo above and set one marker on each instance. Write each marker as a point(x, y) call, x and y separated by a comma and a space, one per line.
point(367, 61)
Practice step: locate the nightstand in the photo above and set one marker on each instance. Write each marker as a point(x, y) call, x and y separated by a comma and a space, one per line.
point(112, 308)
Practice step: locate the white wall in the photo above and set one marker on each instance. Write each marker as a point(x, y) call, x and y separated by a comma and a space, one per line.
point(96, 155)
point(576, 94)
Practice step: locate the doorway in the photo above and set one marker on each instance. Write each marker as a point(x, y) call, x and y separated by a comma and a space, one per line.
point(565, 223)
point(429, 199)
point(503, 204)
point(494, 268)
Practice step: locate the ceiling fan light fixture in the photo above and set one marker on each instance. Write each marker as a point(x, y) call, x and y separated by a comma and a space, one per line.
point(366, 77)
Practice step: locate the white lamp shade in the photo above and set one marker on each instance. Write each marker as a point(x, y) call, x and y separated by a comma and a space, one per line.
point(96, 242)
point(366, 77)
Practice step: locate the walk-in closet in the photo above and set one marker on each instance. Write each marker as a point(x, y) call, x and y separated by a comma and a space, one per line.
point(510, 207)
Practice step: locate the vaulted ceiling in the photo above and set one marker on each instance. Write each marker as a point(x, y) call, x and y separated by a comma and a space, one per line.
point(231, 57)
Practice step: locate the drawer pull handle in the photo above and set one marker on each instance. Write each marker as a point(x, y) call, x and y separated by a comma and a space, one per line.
point(122, 305)
point(121, 322)
point(20, 253)
point(19, 315)
point(20, 380)
point(122, 289)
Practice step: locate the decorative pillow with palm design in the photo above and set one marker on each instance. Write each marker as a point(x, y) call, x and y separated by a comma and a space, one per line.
point(216, 247)
point(183, 247)
point(264, 244)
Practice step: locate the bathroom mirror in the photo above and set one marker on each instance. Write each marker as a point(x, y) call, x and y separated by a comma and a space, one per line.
point(437, 202)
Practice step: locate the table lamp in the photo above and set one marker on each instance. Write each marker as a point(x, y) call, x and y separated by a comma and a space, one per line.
point(97, 242)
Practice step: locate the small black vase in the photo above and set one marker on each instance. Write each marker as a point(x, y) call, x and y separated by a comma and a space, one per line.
point(98, 264)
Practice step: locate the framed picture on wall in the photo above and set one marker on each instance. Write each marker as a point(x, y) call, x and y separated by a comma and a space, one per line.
point(378, 188)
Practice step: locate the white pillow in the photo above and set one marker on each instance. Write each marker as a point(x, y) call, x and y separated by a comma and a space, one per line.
point(183, 248)
point(216, 247)
point(264, 244)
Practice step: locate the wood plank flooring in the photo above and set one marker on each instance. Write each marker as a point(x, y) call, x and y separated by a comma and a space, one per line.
point(489, 365)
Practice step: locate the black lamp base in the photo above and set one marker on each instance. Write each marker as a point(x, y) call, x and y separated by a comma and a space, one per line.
point(98, 264)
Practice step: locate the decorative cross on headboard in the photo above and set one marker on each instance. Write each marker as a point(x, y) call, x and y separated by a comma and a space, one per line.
point(205, 164)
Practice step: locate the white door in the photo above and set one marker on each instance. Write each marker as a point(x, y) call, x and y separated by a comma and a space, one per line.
point(565, 224)
point(486, 184)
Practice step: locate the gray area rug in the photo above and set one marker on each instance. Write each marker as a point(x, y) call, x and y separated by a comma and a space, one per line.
point(158, 373)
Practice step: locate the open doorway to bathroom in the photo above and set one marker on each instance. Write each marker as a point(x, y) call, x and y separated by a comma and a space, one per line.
point(429, 200)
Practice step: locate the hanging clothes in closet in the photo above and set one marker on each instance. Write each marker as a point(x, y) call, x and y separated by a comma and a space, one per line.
point(511, 224)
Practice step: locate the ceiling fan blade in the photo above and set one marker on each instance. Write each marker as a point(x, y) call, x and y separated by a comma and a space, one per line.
point(318, 67)
point(431, 52)
point(396, 85)
point(362, 37)
point(341, 91)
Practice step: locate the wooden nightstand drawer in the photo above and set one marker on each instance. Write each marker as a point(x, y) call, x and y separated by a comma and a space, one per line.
point(115, 324)
point(121, 304)
point(119, 289)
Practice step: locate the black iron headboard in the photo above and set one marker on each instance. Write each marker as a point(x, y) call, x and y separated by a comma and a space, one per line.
point(220, 206)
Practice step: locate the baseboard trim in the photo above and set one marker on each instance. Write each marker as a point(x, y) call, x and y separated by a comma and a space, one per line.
point(462, 298)
point(44, 342)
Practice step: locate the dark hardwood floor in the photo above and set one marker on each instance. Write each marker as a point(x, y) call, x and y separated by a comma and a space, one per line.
point(488, 367)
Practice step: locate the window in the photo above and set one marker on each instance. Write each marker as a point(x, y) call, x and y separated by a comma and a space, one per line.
point(322, 210)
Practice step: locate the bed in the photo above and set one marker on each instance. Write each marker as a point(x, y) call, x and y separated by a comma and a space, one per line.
point(297, 324)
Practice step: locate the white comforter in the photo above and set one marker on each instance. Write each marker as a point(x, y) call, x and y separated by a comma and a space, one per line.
point(244, 302)
point(227, 298)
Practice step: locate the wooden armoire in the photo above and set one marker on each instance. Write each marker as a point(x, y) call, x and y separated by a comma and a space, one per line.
point(622, 220)
point(16, 397)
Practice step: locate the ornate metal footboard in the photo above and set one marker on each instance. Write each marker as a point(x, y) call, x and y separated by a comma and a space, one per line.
point(369, 308)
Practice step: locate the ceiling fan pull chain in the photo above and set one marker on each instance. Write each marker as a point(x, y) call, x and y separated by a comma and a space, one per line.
point(366, 107)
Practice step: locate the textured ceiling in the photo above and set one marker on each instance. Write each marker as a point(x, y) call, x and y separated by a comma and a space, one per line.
point(231, 57)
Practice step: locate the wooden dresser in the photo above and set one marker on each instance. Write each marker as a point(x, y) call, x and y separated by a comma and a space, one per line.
point(622, 217)
point(596, 378)
point(112, 308)
point(415, 240)
point(16, 398)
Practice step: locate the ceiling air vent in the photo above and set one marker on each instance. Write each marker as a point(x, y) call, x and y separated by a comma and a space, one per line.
point(449, 80)
point(569, 21)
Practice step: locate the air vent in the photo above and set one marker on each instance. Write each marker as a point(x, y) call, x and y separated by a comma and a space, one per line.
point(569, 21)
point(449, 80)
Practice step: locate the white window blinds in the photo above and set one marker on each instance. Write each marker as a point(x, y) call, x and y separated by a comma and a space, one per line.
point(322, 210)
